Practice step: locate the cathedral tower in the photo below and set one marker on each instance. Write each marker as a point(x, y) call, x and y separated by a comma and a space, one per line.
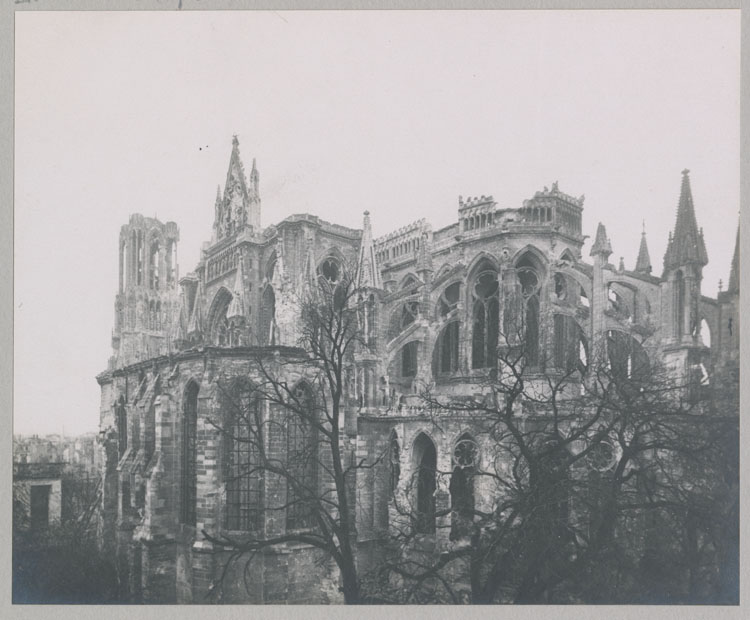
point(147, 288)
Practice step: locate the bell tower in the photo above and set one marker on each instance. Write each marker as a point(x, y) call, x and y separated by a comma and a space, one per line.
point(147, 292)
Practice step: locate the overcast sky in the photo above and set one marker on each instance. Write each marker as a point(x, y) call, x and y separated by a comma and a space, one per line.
point(395, 112)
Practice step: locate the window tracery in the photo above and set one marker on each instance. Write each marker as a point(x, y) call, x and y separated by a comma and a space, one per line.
point(486, 308)
point(445, 357)
point(426, 479)
point(465, 464)
point(302, 459)
point(529, 282)
point(242, 476)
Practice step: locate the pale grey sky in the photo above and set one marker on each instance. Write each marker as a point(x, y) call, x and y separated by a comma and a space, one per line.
point(395, 112)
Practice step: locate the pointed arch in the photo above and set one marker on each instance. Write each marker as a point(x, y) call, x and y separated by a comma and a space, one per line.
point(484, 297)
point(567, 255)
point(448, 300)
point(445, 357)
point(241, 412)
point(217, 318)
point(482, 261)
point(530, 265)
point(424, 455)
point(444, 270)
point(270, 267)
point(409, 280)
point(532, 255)
point(331, 252)
point(465, 463)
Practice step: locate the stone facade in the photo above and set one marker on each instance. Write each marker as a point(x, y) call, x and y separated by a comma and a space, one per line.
point(37, 495)
point(435, 302)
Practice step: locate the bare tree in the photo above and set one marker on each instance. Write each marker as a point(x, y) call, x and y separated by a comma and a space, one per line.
point(288, 428)
point(585, 470)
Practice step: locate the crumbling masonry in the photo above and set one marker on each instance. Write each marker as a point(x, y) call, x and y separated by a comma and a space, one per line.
point(435, 302)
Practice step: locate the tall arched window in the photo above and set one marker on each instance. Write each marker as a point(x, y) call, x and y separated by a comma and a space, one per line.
point(465, 463)
point(679, 305)
point(242, 474)
point(171, 258)
point(153, 265)
point(124, 267)
point(332, 283)
point(302, 460)
point(218, 323)
point(446, 350)
point(425, 458)
point(445, 357)
point(189, 480)
point(529, 280)
point(485, 314)
point(268, 317)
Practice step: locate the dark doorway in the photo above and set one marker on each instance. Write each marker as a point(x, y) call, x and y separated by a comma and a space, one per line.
point(426, 471)
point(40, 506)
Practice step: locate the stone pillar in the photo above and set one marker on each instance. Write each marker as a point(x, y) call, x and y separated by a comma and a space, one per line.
point(207, 462)
point(158, 566)
point(599, 303)
point(109, 507)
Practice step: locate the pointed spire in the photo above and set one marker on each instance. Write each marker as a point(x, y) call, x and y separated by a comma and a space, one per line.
point(177, 334)
point(368, 274)
point(601, 243)
point(236, 309)
point(686, 245)
point(254, 181)
point(734, 272)
point(236, 171)
point(643, 263)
